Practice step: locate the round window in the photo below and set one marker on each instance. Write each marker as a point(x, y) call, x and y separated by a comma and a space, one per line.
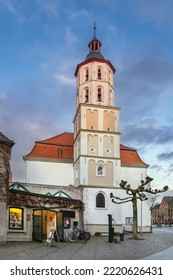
point(108, 150)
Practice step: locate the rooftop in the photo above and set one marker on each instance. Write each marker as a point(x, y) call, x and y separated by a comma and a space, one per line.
point(61, 147)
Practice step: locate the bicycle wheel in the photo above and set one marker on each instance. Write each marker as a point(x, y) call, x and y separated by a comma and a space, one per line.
point(72, 237)
point(88, 235)
point(83, 237)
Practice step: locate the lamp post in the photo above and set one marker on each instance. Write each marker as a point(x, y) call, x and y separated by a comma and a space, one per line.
point(141, 217)
point(141, 207)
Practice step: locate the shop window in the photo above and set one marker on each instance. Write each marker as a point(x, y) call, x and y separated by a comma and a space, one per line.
point(15, 218)
point(100, 200)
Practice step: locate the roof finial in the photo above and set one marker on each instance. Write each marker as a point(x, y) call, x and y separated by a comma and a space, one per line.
point(94, 29)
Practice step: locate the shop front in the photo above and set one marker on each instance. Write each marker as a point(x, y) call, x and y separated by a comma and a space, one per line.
point(31, 216)
point(46, 220)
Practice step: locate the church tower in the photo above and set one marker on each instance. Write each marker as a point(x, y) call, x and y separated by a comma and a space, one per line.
point(96, 122)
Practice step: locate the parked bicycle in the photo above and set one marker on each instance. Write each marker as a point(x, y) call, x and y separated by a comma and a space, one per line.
point(79, 234)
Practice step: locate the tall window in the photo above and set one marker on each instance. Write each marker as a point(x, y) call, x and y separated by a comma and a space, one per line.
point(99, 93)
point(86, 75)
point(15, 218)
point(99, 73)
point(86, 95)
point(100, 200)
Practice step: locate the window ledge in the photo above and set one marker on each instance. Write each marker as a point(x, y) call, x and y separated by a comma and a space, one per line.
point(16, 231)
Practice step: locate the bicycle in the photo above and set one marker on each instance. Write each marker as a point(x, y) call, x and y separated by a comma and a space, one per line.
point(78, 234)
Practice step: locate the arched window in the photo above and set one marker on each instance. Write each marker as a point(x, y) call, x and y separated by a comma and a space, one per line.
point(100, 200)
point(99, 73)
point(99, 94)
point(92, 47)
point(86, 95)
point(86, 75)
point(100, 170)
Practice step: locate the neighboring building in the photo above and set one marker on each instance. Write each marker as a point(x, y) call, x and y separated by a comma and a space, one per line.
point(163, 212)
point(155, 214)
point(69, 177)
point(5, 174)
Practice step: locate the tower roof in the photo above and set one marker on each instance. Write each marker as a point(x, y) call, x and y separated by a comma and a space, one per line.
point(94, 47)
point(94, 53)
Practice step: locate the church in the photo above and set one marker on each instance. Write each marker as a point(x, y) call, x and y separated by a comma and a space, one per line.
point(71, 175)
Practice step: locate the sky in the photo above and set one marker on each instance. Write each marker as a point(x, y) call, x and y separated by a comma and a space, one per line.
point(41, 43)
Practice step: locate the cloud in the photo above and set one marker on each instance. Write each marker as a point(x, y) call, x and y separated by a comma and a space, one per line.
point(134, 133)
point(64, 79)
point(3, 96)
point(77, 14)
point(44, 65)
point(70, 36)
point(165, 156)
point(156, 167)
point(8, 6)
point(156, 11)
point(51, 7)
point(170, 169)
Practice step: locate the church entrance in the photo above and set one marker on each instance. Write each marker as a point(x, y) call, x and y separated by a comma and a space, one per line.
point(46, 220)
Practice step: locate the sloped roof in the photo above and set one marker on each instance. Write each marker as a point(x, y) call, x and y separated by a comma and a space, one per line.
point(130, 156)
point(18, 187)
point(61, 147)
point(5, 139)
point(62, 194)
point(168, 200)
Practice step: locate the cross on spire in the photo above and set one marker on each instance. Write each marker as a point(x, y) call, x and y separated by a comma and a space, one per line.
point(94, 29)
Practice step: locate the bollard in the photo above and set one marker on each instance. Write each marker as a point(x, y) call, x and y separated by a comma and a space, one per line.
point(121, 236)
point(111, 229)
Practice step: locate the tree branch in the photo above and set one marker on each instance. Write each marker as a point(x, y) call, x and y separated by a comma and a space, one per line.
point(121, 201)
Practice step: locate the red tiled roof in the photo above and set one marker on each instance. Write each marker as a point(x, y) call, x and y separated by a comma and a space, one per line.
point(130, 156)
point(64, 139)
point(61, 147)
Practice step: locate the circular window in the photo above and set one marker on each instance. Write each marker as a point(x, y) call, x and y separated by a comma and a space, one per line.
point(92, 149)
point(108, 150)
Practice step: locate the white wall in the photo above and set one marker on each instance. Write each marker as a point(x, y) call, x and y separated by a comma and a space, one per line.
point(51, 173)
point(119, 212)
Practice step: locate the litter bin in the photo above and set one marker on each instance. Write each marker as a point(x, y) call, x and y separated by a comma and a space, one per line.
point(121, 236)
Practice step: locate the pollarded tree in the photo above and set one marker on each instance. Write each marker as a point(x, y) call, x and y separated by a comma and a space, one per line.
point(134, 195)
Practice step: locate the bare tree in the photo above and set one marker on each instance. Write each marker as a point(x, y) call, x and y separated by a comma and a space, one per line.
point(134, 195)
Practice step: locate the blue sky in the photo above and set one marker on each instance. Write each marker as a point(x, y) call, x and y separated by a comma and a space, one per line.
point(42, 41)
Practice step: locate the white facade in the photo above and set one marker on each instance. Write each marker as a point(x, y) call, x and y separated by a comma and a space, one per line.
point(50, 172)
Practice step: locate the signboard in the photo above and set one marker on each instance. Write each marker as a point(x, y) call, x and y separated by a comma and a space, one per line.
point(129, 221)
point(53, 235)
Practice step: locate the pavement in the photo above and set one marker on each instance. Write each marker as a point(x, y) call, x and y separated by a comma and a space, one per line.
point(157, 245)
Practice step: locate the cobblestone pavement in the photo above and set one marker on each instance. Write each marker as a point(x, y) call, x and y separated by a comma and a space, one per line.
point(97, 248)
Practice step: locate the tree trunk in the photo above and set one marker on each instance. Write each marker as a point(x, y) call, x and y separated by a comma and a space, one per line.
point(135, 218)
